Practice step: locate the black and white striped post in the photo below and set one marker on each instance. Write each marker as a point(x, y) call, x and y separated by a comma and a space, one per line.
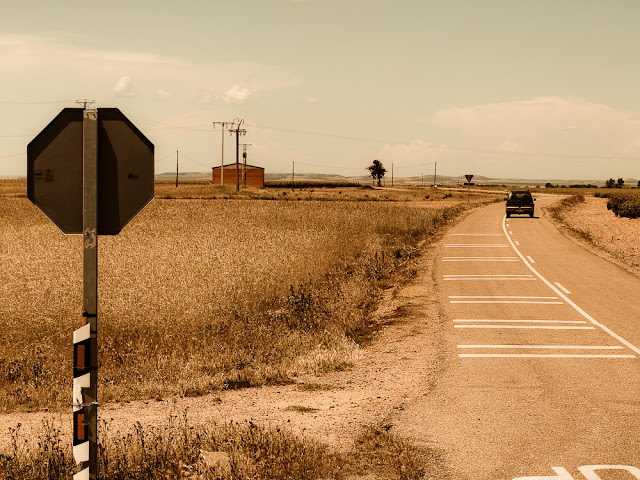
point(84, 162)
point(85, 339)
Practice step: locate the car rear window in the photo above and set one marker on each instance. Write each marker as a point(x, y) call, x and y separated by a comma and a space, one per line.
point(519, 195)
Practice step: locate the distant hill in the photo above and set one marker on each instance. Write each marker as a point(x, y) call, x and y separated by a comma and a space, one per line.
point(415, 180)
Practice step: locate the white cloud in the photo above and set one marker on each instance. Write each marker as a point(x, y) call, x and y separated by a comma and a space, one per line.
point(510, 145)
point(26, 59)
point(416, 152)
point(163, 93)
point(569, 136)
point(124, 87)
point(236, 94)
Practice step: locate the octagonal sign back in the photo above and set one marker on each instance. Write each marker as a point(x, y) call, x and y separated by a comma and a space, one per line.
point(125, 170)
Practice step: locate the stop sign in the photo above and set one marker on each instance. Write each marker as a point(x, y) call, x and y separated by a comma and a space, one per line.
point(125, 170)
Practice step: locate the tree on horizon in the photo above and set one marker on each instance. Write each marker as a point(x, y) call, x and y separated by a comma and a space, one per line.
point(377, 170)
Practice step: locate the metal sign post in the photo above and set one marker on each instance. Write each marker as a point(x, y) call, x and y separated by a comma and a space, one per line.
point(85, 371)
point(468, 177)
point(81, 153)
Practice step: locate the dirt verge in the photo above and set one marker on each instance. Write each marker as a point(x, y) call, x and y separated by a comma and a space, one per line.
point(600, 231)
point(400, 363)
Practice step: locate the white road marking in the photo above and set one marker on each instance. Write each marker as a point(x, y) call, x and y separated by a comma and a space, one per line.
point(486, 275)
point(568, 300)
point(501, 296)
point(541, 355)
point(494, 278)
point(510, 232)
point(480, 259)
point(504, 299)
point(527, 327)
point(559, 347)
point(587, 470)
point(507, 301)
point(519, 321)
point(531, 259)
point(517, 242)
point(562, 288)
point(477, 245)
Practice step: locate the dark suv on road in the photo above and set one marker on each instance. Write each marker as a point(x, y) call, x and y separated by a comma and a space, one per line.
point(520, 201)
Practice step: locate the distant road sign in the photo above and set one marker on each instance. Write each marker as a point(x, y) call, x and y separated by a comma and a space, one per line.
point(469, 177)
point(125, 170)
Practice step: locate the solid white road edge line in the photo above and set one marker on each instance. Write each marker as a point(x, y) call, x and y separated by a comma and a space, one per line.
point(567, 299)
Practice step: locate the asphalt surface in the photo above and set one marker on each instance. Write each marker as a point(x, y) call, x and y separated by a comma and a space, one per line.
point(541, 374)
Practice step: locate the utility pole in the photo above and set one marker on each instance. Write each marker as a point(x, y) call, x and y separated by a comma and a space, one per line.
point(293, 174)
point(435, 174)
point(176, 168)
point(244, 157)
point(222, 125)
point(392, 174)
point(238, 131)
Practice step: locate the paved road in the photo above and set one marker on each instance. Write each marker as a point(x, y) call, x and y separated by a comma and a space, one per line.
point(541, 377)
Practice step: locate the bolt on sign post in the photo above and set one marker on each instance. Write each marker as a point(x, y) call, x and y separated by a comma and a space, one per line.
point(90, 171)
point(468, 177)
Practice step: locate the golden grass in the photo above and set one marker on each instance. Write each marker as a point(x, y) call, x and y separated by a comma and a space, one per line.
point(198, 295)
point(234, 451)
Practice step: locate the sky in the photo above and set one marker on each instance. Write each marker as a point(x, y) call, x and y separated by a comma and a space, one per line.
point(498, 88)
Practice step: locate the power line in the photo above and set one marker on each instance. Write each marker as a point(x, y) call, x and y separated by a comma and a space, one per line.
point(13, 155)
point(36, 102)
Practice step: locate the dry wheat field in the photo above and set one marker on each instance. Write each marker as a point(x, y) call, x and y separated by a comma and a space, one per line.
point(199, 294)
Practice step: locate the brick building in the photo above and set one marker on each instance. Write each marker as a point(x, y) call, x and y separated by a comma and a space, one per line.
point(253, 174)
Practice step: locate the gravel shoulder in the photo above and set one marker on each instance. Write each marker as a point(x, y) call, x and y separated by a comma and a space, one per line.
point(599, 230)
point(399, 364)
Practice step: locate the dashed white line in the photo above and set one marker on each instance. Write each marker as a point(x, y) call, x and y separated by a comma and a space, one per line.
point(568, 300)
point(510, 232)
point(531, 259)
point(562, 288)
point(517, 242)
